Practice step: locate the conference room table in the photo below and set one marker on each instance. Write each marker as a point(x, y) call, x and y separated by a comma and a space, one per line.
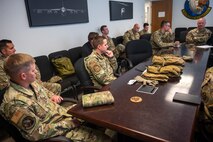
point(157, 117)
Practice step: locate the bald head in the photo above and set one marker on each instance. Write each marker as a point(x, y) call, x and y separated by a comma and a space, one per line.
point(201, 23)
point(136, 28)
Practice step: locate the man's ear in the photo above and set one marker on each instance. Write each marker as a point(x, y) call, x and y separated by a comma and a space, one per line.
point(3, 51)
point(23, 76)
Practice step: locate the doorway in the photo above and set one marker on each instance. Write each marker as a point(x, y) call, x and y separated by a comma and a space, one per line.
point(156, 11)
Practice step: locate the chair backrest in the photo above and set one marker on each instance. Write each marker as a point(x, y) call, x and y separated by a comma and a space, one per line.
point(182, 37)
point(190, 28)
point(82, 74)
point(178, 31)
point(119, 40)
point(45, 67)
point(138, 50)
point(146, 37)
point(75, 53)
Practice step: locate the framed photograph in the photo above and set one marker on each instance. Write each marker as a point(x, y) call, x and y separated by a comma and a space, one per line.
point(56, 12)
point(120, 10)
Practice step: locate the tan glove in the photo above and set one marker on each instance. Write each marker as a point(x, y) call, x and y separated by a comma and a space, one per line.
point(145, 81)
point(156, 77)
point(153, 69)
point(187, 58)
point(171, 70)
point(167, 60)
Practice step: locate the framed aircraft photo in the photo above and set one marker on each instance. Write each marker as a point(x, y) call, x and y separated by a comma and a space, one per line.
point(56, 12)
point(120, 10)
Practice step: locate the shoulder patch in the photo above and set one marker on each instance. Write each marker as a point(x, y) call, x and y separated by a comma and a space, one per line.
point(28, 122)
point(97, 68)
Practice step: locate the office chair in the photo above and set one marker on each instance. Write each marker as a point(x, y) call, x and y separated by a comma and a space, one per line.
point(146, 36)
point(86, 83)
point(178, 31)
point(138, 50)
point(182, 36)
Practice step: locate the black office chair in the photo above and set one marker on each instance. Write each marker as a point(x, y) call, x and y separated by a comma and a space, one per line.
point(146, 37)
point(178, 31)
point(86, 83)
point(191, 28)
point(138, 50)
point(182, 37)
point(119, 40)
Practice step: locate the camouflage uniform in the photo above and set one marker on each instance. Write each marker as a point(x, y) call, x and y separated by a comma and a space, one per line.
point(130, 35)
point(198, 37)
point(142, 32)
point(162, 42)
point(37, 117)
point(4, 79)
point(116, 50)
point(100, 68)
point(207, 93)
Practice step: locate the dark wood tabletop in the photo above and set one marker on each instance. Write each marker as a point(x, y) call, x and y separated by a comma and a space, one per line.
point(157, 117)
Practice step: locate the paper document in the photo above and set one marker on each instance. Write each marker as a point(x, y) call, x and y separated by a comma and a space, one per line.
point(204, 46)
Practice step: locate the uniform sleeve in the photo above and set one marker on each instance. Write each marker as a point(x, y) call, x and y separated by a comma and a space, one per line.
point(170, 37)
point(113, 63)
point(4, 79)
point(189, 37)
point(158, 41)
point(126, 38)
point(36, 127)
point(203, 38)
point(99, 73)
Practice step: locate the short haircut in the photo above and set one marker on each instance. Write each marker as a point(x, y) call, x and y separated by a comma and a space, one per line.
point(145, 24)
point(102, 27)
point(98, 41)
point(18, 62)
point(92, 35)
point(3, 43)
point(164, 22)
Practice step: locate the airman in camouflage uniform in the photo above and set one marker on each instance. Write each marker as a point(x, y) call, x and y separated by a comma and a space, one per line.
point(117, 50)
point(27, 105)
point(7, 48)
point(162, 40)
point(145, 29)
point(199, 35)
point(101, 64)
point(207, 93)
point(132, 34)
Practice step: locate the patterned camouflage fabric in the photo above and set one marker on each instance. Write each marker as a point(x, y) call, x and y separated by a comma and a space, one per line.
point(117, 50)
point(100, 68)
point(96, 99)
point(4, 79)
point(198, 37)
point(162, 42)
point(142, 32)
point(130, 35)
point(207, 93)
point(37, 117)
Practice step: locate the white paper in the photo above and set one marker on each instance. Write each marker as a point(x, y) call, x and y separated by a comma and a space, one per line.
point(204, 46)
point(161, 14)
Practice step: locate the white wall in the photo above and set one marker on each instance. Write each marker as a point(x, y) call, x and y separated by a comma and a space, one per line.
point(44, 40)
point(179, 20)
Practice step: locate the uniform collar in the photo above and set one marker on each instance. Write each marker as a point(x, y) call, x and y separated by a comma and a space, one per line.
point(26, 91)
